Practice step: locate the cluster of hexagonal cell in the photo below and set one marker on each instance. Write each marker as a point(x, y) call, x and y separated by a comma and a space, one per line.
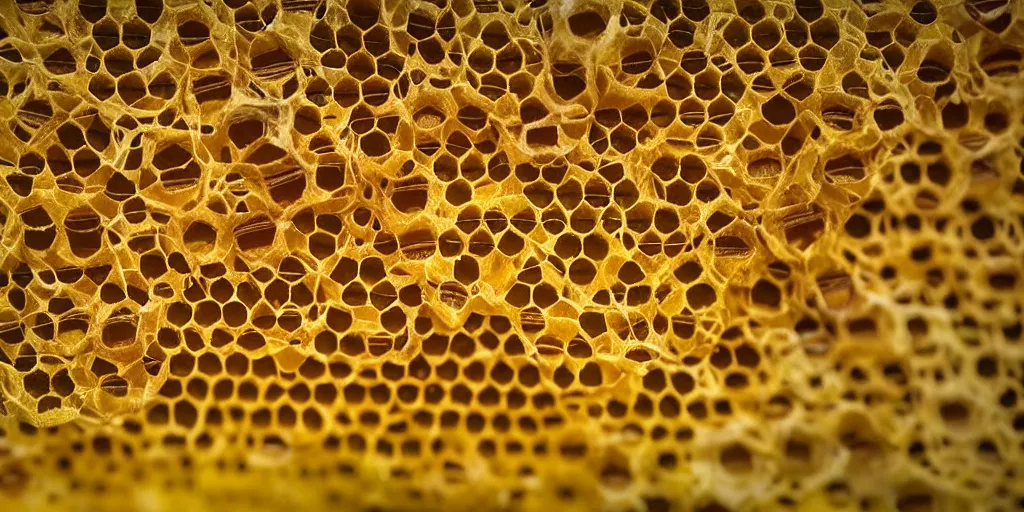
point(655, 255)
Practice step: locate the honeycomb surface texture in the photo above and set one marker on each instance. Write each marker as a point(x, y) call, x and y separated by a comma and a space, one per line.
point(510, 255)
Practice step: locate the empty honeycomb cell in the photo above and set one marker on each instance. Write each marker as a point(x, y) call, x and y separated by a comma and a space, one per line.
point(888, 115)
point(778, 110)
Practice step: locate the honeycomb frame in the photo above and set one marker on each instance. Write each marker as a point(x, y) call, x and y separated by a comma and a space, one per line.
point(512, 255)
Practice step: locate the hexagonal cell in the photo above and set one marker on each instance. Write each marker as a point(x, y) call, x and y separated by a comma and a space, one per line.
point(363, 13)
point(637, 62)
point(736, 33)
point(587, 24)
point(269, 61)
point(778, 110)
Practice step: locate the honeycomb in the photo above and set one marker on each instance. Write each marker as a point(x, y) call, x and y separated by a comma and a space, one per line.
point(511, 255)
